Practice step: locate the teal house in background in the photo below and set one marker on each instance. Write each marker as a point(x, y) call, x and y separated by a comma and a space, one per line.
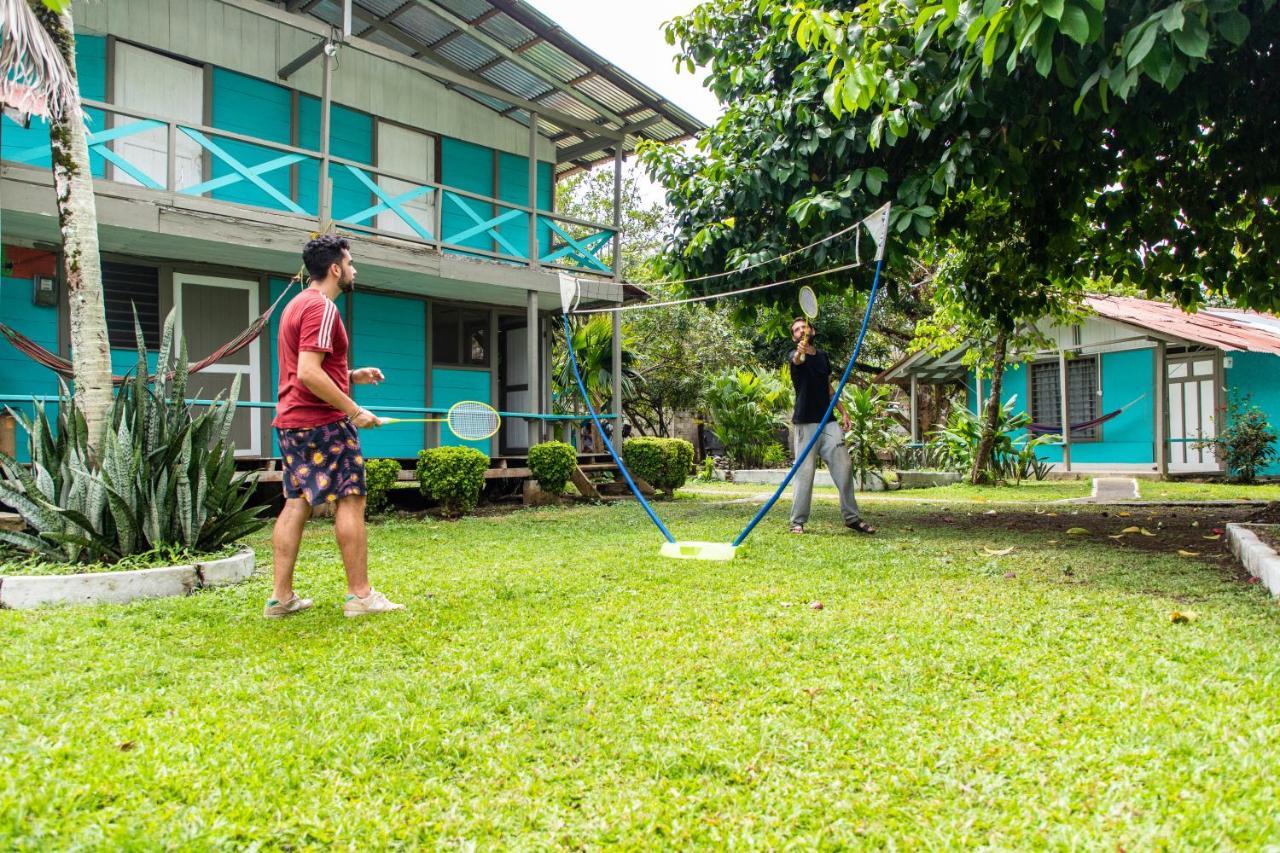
point(1145, 384)
point(224, 133)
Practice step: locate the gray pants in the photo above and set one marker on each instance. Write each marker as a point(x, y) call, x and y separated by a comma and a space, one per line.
point(830, 446)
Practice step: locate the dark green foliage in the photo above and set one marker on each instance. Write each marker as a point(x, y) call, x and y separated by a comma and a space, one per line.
point(746, 410)
point(1013, 454)
point(775, 456)
point(452, 476)
point(664, 463)
point(552, 464)
point(165, 478)
point(380, 476)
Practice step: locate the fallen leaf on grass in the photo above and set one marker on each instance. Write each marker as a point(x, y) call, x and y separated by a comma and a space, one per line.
point(1131, 529)
point(1115, 535)
point(815, 605)
point(1004, 552)
point(1181, 617)
point(1213, 537)
point(1182, 553)
point(1124, 513)
point(127, 745)
point(1010, 575)
point(1052, 542)
point(1077, 531)
point(1145, 532)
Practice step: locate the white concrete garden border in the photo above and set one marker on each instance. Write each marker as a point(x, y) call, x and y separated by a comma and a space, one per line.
point(20, 592)
point(1258, 558)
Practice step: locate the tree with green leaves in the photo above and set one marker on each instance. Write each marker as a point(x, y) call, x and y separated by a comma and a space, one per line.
point(38, 75)
point(1115, 137)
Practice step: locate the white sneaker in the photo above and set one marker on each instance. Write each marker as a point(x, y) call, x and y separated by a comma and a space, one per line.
point(374, 602)
point(280, 609)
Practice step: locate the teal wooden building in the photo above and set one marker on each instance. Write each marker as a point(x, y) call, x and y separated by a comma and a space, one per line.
point(1145, 384)
point(430, 132)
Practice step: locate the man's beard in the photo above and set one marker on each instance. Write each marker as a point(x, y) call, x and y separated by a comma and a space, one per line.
point(347, 285)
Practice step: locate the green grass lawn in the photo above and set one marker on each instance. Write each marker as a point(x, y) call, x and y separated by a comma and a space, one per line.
point(554, 683)
point(1185, 491)
point(1027, 492)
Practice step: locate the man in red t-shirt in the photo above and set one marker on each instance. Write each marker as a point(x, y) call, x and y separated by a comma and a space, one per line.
point(316, 423)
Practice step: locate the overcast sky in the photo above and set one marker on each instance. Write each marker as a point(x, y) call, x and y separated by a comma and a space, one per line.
point(629, 34)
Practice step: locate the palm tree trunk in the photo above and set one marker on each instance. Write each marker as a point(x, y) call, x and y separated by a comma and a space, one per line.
point(78, 219)
point(980, 472)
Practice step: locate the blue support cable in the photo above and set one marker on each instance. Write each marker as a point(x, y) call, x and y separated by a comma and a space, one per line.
point(573, 360)
point(835, 398)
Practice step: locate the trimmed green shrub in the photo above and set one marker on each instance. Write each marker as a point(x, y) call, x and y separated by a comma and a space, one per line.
point(380, 477)
point(552, 464)
point(453, 477)
point(665, 463)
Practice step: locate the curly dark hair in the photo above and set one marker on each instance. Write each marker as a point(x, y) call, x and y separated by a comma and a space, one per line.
point(322, 253)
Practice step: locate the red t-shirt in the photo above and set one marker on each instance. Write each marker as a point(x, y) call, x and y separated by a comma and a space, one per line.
point(311, 321)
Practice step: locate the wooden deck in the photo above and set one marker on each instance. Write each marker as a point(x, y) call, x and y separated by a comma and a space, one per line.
point(500, 467)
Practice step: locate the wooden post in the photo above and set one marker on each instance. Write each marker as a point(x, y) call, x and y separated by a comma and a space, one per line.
point(617, 377)
point(915, 412)
point(1066, 415)
point(533, 202)
point(326, 100)
point(533, 341)
point(1161, 416)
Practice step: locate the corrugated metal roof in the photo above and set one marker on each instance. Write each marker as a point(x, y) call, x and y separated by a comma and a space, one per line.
point(541, 63)
point(1224, 329)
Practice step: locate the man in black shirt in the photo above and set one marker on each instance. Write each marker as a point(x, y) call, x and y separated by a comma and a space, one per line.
point(811, 377)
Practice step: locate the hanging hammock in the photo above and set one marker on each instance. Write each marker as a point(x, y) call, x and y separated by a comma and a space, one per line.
point(62, 366)
point(1101, 419)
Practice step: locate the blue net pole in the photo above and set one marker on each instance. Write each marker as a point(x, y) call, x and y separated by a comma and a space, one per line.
point(835, 398)
point(573, 360)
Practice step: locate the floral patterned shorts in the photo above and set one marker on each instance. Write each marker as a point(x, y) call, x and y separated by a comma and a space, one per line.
point(322, 464)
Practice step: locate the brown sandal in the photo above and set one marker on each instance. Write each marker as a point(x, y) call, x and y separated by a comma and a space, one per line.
point(861, 527)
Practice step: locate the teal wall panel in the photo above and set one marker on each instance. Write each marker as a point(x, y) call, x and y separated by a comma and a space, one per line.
point(252, 107)
point(1257, 375)
point(1126, 380)
point(468, 167)
point(390, 334)
point(451, 386)
point(20, 375)
point(350, 137)
point(91, 68)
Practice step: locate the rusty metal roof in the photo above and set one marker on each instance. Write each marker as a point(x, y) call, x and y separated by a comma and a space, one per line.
point(510, 45)
point(1228, 329)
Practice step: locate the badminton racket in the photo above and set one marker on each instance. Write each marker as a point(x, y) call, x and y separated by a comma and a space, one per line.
point(469, 420)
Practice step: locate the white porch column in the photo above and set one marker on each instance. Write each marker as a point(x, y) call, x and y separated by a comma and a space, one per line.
point(1161, 417)
point(1066, 415)
point(617, 378)
point(617, 213)
point(915, 412)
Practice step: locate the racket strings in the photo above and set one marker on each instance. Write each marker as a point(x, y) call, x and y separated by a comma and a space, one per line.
point(473, 421)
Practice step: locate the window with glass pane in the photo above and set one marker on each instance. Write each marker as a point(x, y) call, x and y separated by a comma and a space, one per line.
point(1082, 396)
point(459, 336)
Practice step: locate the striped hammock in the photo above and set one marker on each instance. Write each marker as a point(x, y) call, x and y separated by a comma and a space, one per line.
point(1043, 429)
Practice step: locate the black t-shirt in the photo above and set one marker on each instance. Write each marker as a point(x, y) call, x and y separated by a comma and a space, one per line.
point(812, 381)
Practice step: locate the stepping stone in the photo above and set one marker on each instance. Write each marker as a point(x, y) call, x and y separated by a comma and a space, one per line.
point(1114, 489)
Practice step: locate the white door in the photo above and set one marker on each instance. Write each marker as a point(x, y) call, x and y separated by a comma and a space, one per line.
point(150, 83)
point(412, 154)
point(1192, 413)
point(212, 311)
